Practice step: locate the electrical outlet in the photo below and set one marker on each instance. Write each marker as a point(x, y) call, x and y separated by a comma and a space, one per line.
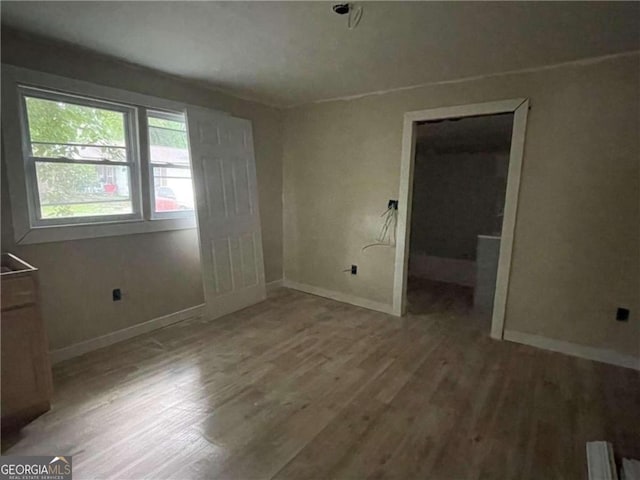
point(354, 269)
point(116, 295)
point(622, 315)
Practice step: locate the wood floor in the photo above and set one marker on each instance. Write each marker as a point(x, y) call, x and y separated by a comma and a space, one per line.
point(431, 297)
point(303, 387)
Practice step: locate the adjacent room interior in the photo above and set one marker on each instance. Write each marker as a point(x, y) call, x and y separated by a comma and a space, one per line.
point(459, 186)
point(318, 240)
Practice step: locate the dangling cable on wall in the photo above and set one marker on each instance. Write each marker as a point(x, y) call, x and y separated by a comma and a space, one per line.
point(387, 235)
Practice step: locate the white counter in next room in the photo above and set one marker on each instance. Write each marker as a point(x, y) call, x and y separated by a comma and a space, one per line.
point(487, 255)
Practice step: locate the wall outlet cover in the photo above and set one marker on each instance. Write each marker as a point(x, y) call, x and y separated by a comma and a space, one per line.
point(622, 315)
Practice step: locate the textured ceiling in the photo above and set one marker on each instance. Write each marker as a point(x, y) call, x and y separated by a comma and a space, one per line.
point(287, 53)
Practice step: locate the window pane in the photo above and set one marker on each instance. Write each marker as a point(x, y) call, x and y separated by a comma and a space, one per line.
point(173, 121)
point(59, 129)
point(81, 190)
point(168, 145)
point(168, 139)
point(173, 189)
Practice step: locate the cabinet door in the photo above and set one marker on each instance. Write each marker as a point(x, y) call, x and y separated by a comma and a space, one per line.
point(26, 371)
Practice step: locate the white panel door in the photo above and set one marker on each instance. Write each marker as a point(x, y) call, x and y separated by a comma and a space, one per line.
point(224, 176)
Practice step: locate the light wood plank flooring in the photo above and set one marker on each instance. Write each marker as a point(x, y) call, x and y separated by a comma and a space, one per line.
point(303, 387)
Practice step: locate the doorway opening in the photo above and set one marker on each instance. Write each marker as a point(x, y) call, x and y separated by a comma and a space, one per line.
point(459, 185)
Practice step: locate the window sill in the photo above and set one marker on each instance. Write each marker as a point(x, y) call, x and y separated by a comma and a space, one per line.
point(61, 233)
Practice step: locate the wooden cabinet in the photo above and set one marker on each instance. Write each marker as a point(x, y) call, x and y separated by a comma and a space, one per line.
point(26, 369)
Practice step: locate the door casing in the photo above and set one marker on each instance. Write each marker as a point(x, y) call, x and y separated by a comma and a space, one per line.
point(520, 108)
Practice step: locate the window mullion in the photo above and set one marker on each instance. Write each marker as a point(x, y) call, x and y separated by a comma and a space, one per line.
point(145, 167)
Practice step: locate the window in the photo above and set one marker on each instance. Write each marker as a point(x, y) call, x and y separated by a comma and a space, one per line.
point(80, 160)
point(86, 160)
point(172, 191)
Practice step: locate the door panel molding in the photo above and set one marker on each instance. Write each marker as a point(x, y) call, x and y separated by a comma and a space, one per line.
point(227, 209)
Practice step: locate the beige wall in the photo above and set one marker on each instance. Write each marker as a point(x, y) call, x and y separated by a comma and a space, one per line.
point(577, 245)
point(159, 273)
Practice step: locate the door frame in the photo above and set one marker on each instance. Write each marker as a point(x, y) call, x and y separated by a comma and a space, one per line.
point(520, 108)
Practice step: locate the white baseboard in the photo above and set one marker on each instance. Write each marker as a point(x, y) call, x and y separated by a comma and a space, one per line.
point(272, 286)
point(583, 351)
point(80, 348)
point(339, 297)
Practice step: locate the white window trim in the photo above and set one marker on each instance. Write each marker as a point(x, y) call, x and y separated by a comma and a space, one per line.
point(132, 161)
point(24, 231)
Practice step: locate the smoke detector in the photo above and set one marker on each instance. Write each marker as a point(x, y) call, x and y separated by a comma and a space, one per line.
point(341, 8)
